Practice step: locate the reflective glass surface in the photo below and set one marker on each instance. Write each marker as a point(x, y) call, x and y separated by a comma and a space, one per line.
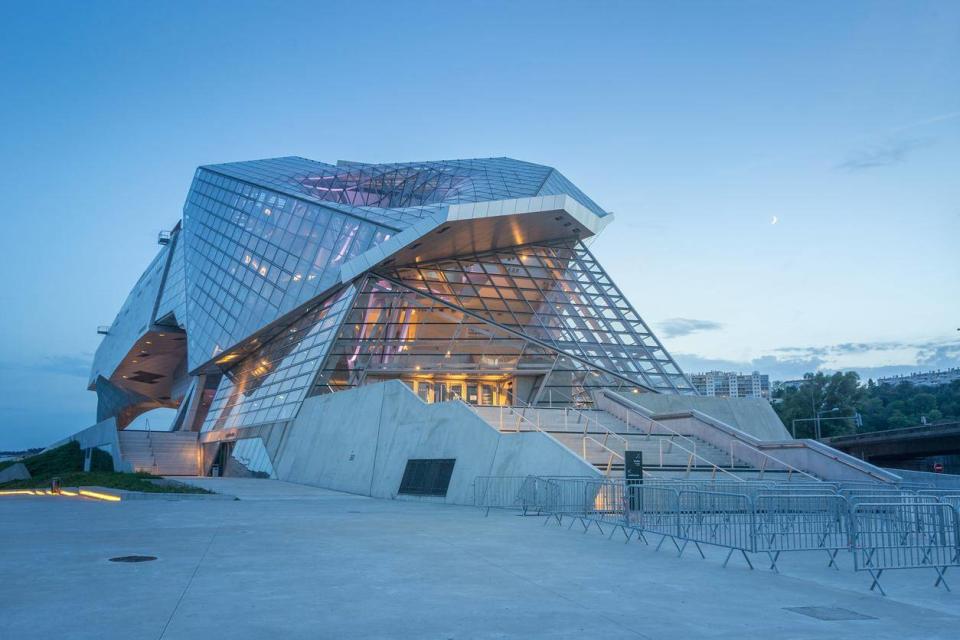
point(395, 332)
point(249, 274)
point(249, 459)
point(401, 192)
point(253, 254)
point(269, 384)
point(557, 293)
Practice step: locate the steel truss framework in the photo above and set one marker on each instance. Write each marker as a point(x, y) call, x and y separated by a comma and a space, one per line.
point(545, 313)
point(557, 293)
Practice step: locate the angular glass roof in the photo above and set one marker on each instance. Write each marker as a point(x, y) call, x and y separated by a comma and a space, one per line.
point(407, 191)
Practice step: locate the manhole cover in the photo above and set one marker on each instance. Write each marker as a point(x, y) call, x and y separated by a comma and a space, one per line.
point(133, 558)
point(829, 613)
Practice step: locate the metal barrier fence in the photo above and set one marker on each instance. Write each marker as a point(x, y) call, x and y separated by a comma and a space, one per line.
point(801, 522)
point(720, 519)
point(905, 535)
point(883, 527)
point(526, 493)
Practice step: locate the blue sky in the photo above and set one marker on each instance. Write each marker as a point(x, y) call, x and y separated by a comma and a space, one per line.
point(695, 122)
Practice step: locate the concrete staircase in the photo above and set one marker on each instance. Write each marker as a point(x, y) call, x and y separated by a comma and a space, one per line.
point(167, 453)
point(601, 438)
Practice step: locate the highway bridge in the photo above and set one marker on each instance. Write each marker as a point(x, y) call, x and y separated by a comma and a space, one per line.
point(909, 448)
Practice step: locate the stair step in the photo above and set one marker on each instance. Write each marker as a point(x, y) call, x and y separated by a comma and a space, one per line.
point(664, 453)
point(161, 452)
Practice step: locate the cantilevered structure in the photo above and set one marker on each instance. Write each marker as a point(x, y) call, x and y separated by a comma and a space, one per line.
point(288, 278)
point(289, 282)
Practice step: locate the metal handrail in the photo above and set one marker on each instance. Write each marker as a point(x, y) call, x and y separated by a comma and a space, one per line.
point(522, 419)
point(613, 453)
point(791, 469)
point(693, 453)
point(607, 431)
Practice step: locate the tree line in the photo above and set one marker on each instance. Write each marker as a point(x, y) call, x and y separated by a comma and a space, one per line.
point(846, 406)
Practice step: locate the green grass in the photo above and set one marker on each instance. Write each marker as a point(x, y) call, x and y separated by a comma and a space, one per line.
point(106, 479)
point(63, 459)
point(66, 462)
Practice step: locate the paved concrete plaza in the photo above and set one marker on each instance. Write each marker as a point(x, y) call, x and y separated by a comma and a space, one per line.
point(296, 562)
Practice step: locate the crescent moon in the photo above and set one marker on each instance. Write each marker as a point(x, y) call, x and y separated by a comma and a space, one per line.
point(774, 220)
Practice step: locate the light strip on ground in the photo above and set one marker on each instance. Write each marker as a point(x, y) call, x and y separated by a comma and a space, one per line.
point(99, 496)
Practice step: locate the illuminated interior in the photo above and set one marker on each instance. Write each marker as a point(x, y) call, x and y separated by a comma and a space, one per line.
point(484, 391)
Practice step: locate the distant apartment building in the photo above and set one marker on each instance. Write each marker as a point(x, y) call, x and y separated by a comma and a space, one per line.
point(731, 384)
point(925, 378)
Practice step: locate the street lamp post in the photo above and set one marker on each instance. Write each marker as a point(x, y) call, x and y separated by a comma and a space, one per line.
point(819, 414)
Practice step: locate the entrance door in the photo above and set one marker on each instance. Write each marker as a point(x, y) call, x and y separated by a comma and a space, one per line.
point(440, 392)
point(224, 451)
point(423, 390)
point(488, 394)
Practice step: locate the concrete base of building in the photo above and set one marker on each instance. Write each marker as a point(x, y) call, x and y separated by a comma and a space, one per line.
point(359, 441)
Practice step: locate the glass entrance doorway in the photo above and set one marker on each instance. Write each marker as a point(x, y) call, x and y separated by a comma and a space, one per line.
point(484, 392)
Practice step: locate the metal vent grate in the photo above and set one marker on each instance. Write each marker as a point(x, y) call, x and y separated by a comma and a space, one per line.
point(430, 477)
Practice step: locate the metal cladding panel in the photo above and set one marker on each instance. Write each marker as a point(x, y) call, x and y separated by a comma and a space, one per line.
point(557, 184)
point(172, 306)
point(132, 322)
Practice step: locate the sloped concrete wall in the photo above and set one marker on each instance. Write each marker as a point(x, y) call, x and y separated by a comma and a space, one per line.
point(103, 434)
point(750, 415)
point(17, 471)
point(359, 441)
point(936, 480)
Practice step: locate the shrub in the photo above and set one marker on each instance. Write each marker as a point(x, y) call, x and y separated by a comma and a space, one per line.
point(100, 460)
point(64, 459)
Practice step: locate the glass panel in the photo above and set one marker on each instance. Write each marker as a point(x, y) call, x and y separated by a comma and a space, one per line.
point(248, 459)
point(395, 332)
point(278, 374)
point(572, 305)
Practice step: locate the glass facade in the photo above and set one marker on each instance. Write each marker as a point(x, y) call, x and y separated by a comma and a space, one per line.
point(254, 276)
point(245, 458)
point(399, 193)
point(444, 352)
point(270, 384)
point(254, 254)
point(559, 294)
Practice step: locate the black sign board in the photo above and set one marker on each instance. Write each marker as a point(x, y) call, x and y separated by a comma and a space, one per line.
point(633, 475)
point(633, 466)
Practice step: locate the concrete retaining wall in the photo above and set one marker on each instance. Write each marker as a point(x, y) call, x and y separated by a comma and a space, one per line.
point(753, 416)
point(359, 441)
point(16, 471)
point(104, 435)
point(938, 480)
